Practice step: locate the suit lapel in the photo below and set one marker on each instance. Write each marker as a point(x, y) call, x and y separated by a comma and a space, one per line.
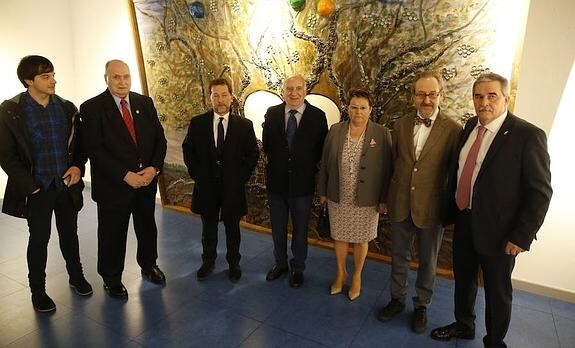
point(115, 119)
point(406, 135)
point(231, 131)
point(434, 135)
point(209, 129)
point(367, 138)
point(136, 109)
point(500, 138)
point(341, 139)
point(280, 124)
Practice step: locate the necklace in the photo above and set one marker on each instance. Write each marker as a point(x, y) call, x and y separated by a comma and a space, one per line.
point(351, 149)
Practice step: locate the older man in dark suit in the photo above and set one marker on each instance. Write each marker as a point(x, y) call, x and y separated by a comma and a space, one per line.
point(293, 137)
point(220, 151)
point(125, 142)
point(502, 193)
point(423, 146)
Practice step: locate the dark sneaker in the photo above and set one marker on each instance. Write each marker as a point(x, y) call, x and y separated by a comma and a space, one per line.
point(393, 308)
point(43, 303)
point(419, 319)
point(81, 286)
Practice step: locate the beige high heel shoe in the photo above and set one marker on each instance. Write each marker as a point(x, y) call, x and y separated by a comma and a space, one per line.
point(337, 285)
point(354, 289)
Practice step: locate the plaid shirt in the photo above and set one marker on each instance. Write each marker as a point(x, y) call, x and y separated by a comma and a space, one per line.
point(48, 130)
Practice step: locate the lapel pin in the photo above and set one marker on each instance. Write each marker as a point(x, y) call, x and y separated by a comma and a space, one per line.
point(506, 132)
point(137, 112)
point(372, 143)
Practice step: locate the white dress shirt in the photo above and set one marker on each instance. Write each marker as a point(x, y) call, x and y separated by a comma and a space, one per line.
point(421, 133)
point(224, 123)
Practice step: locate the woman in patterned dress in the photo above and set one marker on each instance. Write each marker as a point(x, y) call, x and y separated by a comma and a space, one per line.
point(354, 177)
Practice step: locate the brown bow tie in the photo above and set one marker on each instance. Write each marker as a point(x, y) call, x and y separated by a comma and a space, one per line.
point(424, 121)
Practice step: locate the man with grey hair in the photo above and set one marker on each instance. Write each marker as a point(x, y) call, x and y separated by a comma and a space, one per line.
point(125, 142)
point(501, 189)
point(423, 146)
point(293, 137)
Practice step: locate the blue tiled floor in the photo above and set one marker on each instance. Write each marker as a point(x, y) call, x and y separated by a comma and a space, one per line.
point(217, 313)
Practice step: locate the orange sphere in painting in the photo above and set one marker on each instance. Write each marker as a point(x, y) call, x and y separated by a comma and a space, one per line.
point(325, 7)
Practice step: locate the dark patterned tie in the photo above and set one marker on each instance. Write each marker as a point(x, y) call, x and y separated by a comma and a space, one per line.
point(220, 140)
point(128, 119)
point(291, 127)
point(424, 121)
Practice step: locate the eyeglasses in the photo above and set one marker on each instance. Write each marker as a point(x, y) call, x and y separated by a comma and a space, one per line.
point(432, 95)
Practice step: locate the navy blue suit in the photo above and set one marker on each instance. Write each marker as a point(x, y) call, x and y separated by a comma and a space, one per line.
point(291, 178)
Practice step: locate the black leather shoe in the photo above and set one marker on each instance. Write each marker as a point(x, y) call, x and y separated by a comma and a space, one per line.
point(81, 286)
point(295, 279)
point(419, 319)
point(235, 273)
point(204, 271)
point(154, 274)
point(43, 303)
point(454, 330)
point(116, 290)
point(393, 308)
point(275, 273)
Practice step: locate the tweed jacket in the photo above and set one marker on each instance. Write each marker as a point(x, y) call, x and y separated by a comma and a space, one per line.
point(419, 187)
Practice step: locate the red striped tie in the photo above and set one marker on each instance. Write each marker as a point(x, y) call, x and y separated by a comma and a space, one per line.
point(128, 119)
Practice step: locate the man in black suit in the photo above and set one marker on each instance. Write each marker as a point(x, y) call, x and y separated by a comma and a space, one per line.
point(125, 142)
point(502, 190)
point(40, 153)
point(293, 137)
point(220, 151)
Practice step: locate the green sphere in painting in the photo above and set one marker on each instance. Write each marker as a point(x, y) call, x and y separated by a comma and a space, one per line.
point(297, 5)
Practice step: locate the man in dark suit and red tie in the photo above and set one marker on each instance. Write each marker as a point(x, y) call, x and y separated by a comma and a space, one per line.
point(502, 190)
point(125, 142)
point(220, 151)
point(293, 137)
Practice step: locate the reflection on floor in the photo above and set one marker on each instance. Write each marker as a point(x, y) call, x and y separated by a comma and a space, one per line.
point(217, 313)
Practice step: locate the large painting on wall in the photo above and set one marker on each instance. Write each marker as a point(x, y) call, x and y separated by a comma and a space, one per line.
point(335, 45)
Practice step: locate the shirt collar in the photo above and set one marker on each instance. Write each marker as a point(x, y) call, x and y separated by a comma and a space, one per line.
point(118, 99)
point(28, 100)
point(300, 109)
point(225, 116)
point(494, 125)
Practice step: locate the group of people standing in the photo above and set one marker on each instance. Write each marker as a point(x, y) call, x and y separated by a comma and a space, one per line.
point(491, 179)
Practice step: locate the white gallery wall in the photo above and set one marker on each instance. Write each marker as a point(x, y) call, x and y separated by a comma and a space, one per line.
point(79, 36)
